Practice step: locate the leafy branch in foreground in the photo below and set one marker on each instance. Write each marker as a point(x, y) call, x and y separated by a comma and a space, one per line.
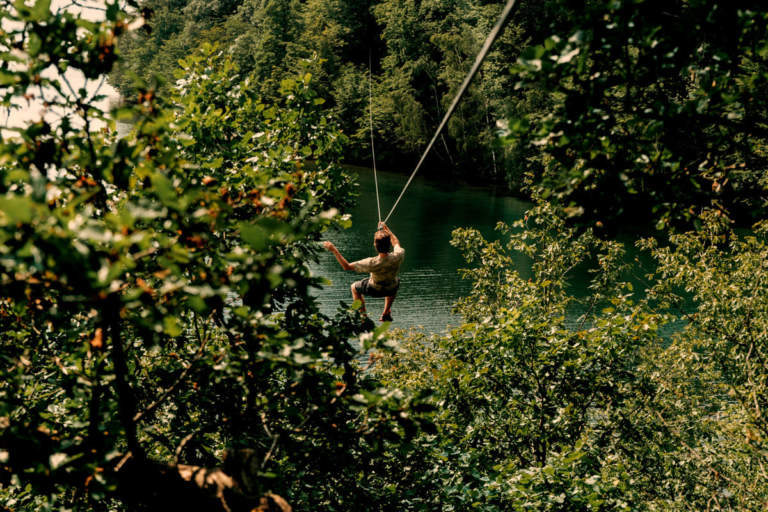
point(537, 389)
point(653, 111)
point(713, 377)
point(623, 397)
point(160, 348)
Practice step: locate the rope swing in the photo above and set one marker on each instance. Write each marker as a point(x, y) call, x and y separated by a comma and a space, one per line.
point(505, 14)
point(373, 152)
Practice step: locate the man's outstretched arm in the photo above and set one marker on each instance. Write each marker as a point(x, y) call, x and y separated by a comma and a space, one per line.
point(342, 261)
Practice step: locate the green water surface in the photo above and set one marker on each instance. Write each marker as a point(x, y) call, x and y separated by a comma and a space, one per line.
point(423, 221)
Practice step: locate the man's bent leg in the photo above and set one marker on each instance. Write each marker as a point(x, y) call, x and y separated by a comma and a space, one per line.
point(386, 315)
point(358, 296)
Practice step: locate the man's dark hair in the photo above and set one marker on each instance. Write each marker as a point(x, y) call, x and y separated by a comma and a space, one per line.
point(382, 241)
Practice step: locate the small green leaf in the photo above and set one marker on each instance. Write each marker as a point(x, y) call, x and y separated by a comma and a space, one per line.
point(253, 235)
point(7, 78)
point(42, 10)
point(15, 210)
point(213, 164)
point(187, 140)
point(34, 44)
point(171, 326)
point(113, 10)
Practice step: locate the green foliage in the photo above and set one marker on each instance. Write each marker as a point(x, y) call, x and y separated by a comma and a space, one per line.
point(548, 400)
point(616, 109)
point(155, 317)
point(533, 409)
point(419, 51)
point(160, 348)
point(653, 109)
point(712, 378)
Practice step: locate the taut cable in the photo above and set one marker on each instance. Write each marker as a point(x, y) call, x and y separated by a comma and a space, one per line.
point(472, 72)
point(370, 113)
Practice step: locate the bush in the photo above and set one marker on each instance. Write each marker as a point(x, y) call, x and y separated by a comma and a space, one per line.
point(160, 349)
point(536, 390)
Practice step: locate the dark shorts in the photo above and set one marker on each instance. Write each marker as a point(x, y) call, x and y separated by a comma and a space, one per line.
point(364, 288)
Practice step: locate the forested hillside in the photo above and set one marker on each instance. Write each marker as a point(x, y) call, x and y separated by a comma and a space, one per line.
point(419, 53)
point(636, 77)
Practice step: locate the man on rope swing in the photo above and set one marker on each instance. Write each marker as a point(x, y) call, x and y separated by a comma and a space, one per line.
point(383, 281)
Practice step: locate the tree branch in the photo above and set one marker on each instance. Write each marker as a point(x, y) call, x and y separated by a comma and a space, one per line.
point(167, 392)
point(125, 398)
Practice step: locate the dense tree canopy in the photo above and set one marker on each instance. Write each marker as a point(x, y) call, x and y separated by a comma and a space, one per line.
point(419, 53)
point(596, 93)
point(159, 344)
point(613, 400)
point(655, 108)
point(160, 347)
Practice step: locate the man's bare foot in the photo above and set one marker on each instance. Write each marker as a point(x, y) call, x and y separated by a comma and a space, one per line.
point(386, 317)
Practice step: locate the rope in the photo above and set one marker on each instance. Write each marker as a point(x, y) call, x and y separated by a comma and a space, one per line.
point(370, 112)
point(472, 72)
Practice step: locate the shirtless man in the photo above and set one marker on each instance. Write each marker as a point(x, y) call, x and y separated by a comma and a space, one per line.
point(383, 269)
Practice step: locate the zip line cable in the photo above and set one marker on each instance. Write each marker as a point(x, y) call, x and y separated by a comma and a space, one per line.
point(370, 112)
point(472, 72)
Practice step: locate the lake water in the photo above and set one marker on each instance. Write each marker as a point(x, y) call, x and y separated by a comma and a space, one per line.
point(423, 221)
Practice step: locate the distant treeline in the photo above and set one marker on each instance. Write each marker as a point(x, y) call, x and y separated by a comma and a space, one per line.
point(419, 53)
point(619, 110)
